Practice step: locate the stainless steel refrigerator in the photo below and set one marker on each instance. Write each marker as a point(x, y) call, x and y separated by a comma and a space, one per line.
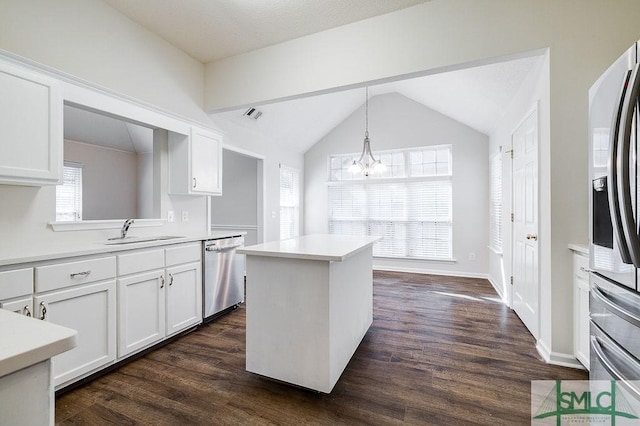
point(614, 302)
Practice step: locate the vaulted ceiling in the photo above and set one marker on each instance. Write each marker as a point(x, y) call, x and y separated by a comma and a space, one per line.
point(476, 96)
point(213, 29)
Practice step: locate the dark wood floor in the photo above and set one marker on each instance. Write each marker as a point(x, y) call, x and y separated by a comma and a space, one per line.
point(440, 351)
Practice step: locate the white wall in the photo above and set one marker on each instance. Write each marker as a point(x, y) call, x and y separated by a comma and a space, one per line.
point(238, 205)
point(109, 180)
point(396, 122)
point(94, 42)
point(91, 41)
point(145, 185)
point(273, 154)
point(584, 37)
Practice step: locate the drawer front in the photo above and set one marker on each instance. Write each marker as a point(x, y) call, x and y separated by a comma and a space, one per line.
point(140, 261)
point(186, 253)
point(68, 274)
point(16, 283)
point(581, 266)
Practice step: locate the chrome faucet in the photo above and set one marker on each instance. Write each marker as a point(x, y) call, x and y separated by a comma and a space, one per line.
point(125, 228)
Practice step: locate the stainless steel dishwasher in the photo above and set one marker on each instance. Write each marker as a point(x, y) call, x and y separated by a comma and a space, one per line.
point(223, 284)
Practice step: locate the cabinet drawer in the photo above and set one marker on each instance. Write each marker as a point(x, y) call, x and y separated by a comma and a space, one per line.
point(16, 283)
point(140, 261)
point(69, 274)
point(581, 266)
point(183, 254)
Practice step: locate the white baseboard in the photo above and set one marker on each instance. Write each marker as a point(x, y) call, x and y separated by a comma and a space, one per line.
point(558, 358)
point(498, 290)
point(424, 271)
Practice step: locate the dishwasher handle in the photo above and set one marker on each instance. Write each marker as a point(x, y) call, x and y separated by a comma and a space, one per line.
point(224, 248)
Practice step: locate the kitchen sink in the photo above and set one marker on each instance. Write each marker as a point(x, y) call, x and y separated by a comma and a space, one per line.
point(134, 239)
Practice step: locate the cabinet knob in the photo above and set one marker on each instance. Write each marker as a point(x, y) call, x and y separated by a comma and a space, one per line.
point(43, 311)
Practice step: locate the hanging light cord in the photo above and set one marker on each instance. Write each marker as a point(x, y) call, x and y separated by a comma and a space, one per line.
point(366, 112)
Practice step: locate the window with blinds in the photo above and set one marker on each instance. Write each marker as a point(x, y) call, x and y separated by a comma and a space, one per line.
point(69, 194)
point(495, 199)
point(409, 205)
point(289, 202)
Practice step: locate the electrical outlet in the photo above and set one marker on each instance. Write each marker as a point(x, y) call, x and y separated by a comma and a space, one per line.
point(472, 256)
point(170, 216)
point(185, 216)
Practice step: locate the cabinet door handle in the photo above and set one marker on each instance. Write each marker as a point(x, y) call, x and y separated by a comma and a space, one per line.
point(161, 281)
point(195, 182)
point(81, 274)
point(170, 279)
point(26, 310)
point(43, 310)
point(586, 270)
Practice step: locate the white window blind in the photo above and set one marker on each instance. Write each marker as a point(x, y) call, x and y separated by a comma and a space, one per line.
point(289, 202)
point(495, 195)
point(69, 194)
point(410, 205)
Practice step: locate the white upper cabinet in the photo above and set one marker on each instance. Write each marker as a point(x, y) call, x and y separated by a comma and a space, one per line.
point(31, 135)
point(195, 163)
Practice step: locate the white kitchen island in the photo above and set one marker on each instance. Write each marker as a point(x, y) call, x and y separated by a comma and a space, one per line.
point(309, 304)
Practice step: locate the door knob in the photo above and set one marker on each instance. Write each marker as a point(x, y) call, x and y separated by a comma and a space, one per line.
point(533, 237)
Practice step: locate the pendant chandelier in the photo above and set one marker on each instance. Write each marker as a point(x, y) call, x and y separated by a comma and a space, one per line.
point(366, 164)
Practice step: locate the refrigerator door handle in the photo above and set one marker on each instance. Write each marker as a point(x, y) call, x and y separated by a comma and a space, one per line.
point(614, 200)
point(629, 225)
point(598, 343)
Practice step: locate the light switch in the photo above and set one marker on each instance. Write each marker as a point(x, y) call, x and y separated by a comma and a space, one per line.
point(185, 216)
point(170, 217)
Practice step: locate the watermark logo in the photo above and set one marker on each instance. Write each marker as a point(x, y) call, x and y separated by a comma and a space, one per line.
point(568, 402)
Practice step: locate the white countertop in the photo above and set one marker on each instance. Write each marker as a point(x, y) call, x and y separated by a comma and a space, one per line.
point(333, 248)
point(580, 248)
point(26, 341)
point(26, 253)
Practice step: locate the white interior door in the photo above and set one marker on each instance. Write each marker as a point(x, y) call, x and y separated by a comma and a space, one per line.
point(525, 222)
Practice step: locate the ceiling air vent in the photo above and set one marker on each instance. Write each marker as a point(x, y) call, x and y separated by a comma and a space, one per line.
point(252, 113)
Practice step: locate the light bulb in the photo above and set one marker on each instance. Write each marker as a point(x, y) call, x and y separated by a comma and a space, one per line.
point(379, 167)
point(355, 167)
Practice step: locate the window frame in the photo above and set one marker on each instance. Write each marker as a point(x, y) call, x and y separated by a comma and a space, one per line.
point(78, 198)
point(295, 207)
point(496, 203)
point(408, 221)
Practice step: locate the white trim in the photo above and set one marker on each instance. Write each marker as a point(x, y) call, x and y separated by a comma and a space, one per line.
point(242, 151)
point(252, 227)
point(495, 251)
point(420, 259)
point(430, 271)
point(498, 290)
point(558, 358)
point(89, 225)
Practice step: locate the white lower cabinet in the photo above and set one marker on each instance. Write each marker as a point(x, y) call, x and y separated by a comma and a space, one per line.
point(16, 291)
point(22, 306)
point(141, 311)
point(91, 310)
point(119, 304)
point(581, 307)
point(184, 297)
point(160, 295)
